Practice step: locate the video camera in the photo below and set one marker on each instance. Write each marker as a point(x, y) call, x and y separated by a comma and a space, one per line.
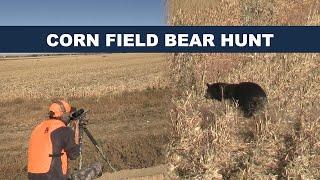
point(78, 115)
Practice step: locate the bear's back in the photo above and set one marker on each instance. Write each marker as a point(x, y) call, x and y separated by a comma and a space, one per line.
point(249, 89)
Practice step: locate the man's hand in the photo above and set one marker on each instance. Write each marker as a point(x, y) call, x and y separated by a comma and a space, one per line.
point(75, 126)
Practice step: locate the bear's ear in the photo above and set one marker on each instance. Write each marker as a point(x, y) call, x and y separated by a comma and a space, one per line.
point(208, 84)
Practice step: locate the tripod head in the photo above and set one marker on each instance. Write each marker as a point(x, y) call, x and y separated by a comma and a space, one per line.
point(79, 115)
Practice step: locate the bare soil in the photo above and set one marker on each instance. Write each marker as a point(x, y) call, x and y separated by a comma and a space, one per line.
point(155, 173)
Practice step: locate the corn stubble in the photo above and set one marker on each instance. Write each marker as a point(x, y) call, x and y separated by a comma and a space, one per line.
point(211, 139)
point(79, 76)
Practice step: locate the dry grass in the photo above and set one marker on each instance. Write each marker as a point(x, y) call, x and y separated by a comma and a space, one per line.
point(80, 76)
point(214, 137)
point(212, 140)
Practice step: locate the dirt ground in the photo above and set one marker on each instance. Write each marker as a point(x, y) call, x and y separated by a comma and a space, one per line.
point(154, 173)
point(132, 126)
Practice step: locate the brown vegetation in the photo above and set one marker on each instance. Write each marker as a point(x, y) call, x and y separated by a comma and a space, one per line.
point(212, 140)
point(79, 76)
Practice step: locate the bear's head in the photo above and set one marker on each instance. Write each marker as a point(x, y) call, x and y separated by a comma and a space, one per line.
point(215, 91)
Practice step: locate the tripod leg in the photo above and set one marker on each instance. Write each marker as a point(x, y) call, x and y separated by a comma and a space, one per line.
point(98, 148)
point(80, 145)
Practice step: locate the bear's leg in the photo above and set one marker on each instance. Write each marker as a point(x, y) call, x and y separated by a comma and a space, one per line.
point(248, 108)
point(248, 114)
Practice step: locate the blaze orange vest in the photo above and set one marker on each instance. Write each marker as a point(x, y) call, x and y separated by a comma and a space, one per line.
point(40, 148)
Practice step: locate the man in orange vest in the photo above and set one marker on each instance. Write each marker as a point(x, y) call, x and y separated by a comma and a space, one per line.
point(52, 143)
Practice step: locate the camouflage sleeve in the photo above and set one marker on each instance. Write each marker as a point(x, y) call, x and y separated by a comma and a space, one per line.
point(91, 172)
point(72, 149)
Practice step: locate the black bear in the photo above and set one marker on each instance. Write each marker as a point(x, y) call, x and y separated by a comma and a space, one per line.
point(249, 96)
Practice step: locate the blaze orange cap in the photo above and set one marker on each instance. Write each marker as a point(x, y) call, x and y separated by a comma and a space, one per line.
point(59, 108)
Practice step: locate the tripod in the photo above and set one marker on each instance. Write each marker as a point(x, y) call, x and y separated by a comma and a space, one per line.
point(83, 129)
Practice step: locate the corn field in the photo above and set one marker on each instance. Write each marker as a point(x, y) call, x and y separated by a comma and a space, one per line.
point(211, 140)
